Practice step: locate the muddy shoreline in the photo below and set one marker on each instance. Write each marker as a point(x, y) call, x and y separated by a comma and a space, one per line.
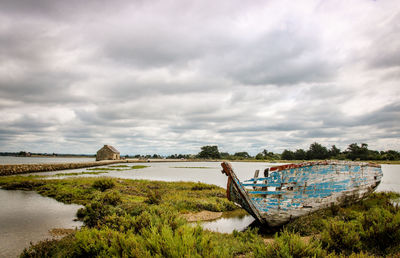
point(201, 216)
point(14, 169)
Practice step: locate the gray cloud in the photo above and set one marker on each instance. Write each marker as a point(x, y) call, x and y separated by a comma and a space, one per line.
point(386, 46)
point(169, 77)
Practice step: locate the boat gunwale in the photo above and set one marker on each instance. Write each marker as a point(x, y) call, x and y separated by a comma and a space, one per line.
point(325, 162)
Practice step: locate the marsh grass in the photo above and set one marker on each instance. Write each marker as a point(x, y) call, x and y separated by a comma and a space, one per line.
point(183, 196)
point(66, 174)
point(141, 218)
point(289, 244)
point(128, 167)
point(118, 168)
point(155, 232)
point(197, 167)
point(103, 184)
point(371, 225)
point(79, 173)
point(105, 169)
point(139, 167)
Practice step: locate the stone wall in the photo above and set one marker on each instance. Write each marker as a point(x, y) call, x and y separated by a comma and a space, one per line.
point(6, 170)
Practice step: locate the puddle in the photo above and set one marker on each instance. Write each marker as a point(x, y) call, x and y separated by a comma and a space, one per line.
point(237, 220)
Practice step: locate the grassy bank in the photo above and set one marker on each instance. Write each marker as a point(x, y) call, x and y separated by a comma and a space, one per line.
point(140, 218)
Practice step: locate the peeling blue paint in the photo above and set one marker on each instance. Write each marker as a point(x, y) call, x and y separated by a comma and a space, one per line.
point(299, 189)
point(296, 183)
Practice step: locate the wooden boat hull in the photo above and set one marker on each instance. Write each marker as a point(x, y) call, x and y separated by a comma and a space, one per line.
point(294, 190)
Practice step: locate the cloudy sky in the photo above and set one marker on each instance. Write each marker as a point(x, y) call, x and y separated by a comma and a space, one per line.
point(171, 76)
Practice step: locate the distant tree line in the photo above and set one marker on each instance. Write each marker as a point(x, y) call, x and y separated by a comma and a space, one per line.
point(157, 156)
point(316, 151)
point(353, 152)
point(211, 152)
point(181, 156)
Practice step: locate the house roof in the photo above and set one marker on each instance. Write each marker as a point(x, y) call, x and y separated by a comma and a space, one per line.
point(111, 148)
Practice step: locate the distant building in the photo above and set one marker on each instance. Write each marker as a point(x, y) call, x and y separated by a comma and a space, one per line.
point(108, 152)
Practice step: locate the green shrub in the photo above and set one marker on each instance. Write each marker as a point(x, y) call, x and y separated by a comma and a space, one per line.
point(81, 213)
point(199, 204)
point(103, 184)
point(22, 185)
point(121, 223)
point(153, 197)
point(158, 231)
point(202, 186)
point(51, 248)
point(310, 224)
point(94, 213)
point(288, 244)
point(107, 243)
point(381, 230)
point(246, 242)
point(372, 225)
point(112, 198)
point(157, 216)
point(134, 208)
point(340, 236)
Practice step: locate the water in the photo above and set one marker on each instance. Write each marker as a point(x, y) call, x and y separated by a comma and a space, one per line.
point(41, 160)
point(26, 216)
point(28, 206)
point(210, 172)
point(205, 172)
point(391, 179)
point(237, 220)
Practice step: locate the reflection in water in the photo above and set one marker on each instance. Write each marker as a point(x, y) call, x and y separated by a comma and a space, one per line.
point(237, 220)
point(26, 217)
point(228, 225)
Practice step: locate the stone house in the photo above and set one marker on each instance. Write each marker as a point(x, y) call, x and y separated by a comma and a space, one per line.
point(108, 152)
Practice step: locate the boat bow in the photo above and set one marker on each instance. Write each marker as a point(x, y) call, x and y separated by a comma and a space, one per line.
point(236, 192)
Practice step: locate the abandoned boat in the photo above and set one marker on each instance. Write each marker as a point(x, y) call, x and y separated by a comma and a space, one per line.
point(290, 191)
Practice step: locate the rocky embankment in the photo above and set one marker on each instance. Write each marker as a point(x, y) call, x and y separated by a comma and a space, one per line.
point(6, 170)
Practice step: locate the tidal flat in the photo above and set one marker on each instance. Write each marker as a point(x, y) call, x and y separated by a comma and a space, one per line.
point(142, 218)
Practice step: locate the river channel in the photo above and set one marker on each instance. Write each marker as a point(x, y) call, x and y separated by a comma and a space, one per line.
point(27, 216)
